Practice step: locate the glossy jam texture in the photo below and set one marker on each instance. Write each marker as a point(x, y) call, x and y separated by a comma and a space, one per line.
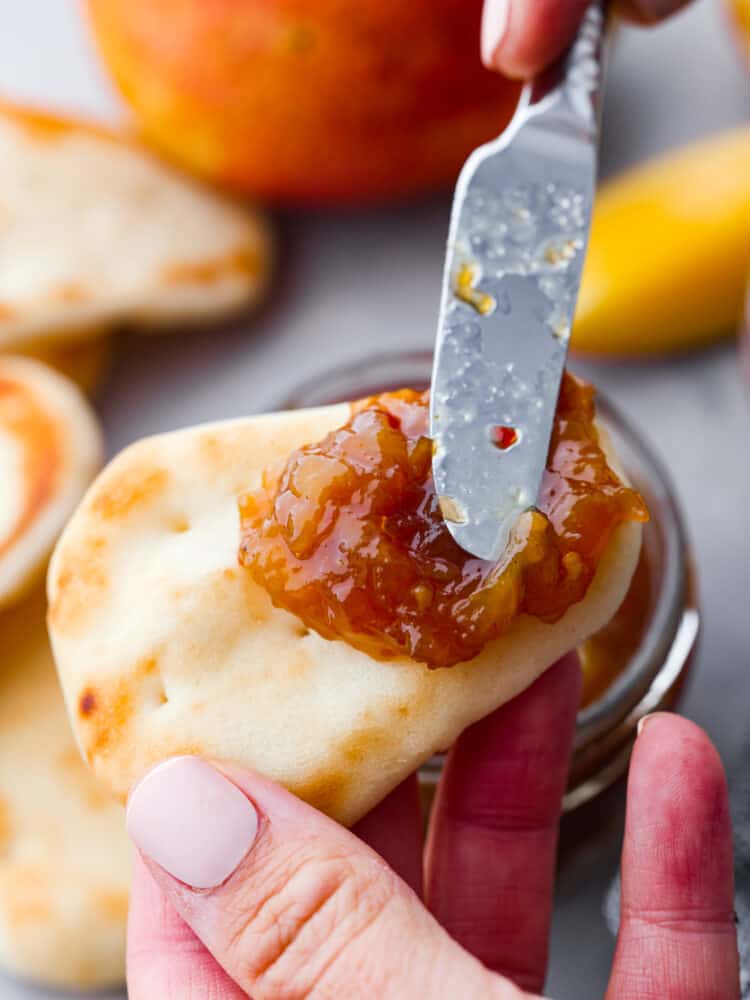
point(351, 540)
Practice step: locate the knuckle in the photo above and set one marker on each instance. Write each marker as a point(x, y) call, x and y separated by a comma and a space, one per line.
point(685, 920)
point(305, 915)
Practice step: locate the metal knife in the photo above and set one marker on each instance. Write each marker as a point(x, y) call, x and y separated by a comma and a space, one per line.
point(516, 247)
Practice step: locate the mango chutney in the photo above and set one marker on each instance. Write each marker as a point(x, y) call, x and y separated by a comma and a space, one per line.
point(350, 537)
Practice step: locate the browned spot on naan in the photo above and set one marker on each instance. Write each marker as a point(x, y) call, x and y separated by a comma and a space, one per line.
point(362, 743)
point(184, 750)
point(217, 452)
point(29, 909)
point(80, 583)
point(97, 795)
point(147, 666)
point(129, 491)
point(106, 726)
point(111, 905)
point(329, 789)
point(150, 684)
point(7, 312)
point(210, 272)
point(70, 292)
point(6, 826)
point(83, 358)
point(46, 127)
point(299, 664)
point(26, 895)
point(24, 418)
point(326, 792)
point(218, 456)
point(87, 703)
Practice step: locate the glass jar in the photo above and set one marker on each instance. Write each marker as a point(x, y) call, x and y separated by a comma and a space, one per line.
point(639, 662)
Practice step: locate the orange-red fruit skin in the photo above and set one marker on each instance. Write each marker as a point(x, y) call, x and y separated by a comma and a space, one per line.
point(330, 101)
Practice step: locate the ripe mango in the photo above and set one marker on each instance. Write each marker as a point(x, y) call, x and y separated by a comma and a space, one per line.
point(669, 252)
point(741, 12)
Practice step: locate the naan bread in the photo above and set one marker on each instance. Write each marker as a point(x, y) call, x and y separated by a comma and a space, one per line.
point(95, 231)
point(166, 646)
point(50, 449)
point(64, 856)
point(86, 361)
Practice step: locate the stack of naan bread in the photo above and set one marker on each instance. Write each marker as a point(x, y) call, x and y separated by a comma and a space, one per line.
point(94, 234)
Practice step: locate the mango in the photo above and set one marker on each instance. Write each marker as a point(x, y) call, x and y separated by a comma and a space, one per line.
point(741, 11)
point(308, 101)
point(669, 252)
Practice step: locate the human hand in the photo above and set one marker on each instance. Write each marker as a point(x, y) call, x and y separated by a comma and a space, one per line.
point(521, 37)
point(288, 905)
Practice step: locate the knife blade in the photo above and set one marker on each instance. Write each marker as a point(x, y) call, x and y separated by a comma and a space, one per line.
point(516, 246)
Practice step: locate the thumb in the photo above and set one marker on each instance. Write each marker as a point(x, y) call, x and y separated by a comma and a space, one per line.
point(290, 904)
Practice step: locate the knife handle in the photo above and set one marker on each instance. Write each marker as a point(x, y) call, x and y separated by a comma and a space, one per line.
point(571, 89)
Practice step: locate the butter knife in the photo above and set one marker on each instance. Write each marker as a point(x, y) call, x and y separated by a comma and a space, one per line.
point(516, 247)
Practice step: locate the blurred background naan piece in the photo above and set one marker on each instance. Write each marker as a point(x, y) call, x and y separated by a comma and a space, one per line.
point(50, 448)
point(95, 232)
point(86, 360)
point(64, 856)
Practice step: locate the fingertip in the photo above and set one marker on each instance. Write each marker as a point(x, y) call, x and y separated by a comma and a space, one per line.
point(495, 15)
point(674, 756)
point(678, 823)
point(522, 39)
point(677, 935)
point(679, 745)
point(193, 821)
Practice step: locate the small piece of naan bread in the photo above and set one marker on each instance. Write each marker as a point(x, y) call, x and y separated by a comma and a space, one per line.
point(86, 361)
point(64, 856)
point(95, 231)
point(166, 646)
point(50, 449)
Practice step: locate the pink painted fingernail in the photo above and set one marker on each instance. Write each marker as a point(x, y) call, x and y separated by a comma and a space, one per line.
point(494, 27)
point(192, 821)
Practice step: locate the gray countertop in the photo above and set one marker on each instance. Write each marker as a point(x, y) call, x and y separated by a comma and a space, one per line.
point(355, 283)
